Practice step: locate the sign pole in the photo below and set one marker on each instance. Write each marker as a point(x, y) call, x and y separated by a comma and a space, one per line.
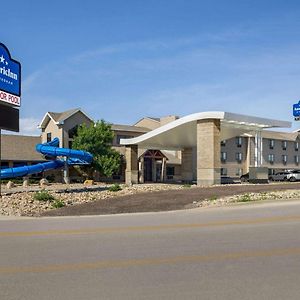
point(0, 163)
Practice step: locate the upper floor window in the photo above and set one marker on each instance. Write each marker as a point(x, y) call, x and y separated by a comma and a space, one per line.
point(239, 141)
point(284, 159)
point(271, 158)
point(223, 156)
point(271, 144)
point(73, 132)
point(296, 146)
point(239, 157)
point(223, 143)
point(49, 137)
point(284, 145)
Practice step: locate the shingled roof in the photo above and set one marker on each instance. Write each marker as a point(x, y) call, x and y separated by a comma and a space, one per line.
point(60, 117)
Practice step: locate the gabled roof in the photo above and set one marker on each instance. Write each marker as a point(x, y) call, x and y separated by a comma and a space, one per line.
point(129, 128)
point(59, 118)
point(157, 120)
point(153, 118)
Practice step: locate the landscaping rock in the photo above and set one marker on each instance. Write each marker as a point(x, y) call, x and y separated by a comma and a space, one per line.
point(44, 182)
point(88, 182)
point(10, 185)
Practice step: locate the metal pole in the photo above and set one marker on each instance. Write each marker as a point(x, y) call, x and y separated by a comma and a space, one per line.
point(0, 163)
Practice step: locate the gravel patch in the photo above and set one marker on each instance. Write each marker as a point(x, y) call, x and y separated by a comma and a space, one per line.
point(19, 202)
point(249, 197)
point(97, 199)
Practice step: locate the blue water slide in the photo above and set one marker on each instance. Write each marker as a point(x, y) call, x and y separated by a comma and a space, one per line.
point(52, 151)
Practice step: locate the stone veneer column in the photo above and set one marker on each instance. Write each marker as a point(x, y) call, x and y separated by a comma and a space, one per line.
point(208, 152)
point(187, 165)
point(131, 173)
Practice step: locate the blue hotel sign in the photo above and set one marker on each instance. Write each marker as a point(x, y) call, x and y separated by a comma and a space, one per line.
point(10, 78)
point(296, 109)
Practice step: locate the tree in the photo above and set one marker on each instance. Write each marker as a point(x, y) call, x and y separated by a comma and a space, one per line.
point(97, 139)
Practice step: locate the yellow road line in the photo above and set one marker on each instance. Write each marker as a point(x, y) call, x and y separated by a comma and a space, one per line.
point(148, 228)
point(149, 261)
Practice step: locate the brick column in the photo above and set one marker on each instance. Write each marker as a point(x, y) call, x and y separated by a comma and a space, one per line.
point(187, 165)
point(208, 152)
point(131, 173)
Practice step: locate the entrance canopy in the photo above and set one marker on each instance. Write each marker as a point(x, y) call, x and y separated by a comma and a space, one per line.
point(182, 133)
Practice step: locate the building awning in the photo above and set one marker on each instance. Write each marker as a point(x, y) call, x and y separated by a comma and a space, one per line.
point(182, 132)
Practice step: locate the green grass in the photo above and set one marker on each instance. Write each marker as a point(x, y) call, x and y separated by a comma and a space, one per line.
point(43, 195)
point(58, 204)
point(115, 188)
point(213, 198)
point(186, 185)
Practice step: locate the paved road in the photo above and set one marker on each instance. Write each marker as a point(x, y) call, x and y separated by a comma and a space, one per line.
point(245, 252)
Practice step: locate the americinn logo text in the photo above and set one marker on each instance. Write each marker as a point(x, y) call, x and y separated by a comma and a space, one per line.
point(5, 70)
point(10, 73)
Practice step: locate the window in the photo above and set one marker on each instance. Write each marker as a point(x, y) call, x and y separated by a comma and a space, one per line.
point(239, 157)
point(271, 171)
point(223, 143)
point(73, 132)
point(284, 159)
point(296, 146)
point(223, 156)
point(271, 144)
point(49, 137)
point(239, 141)
point(170, 171)
point(239, 172)
point(223, 172)
point(296, 159)
point(271, 158)
point(284, 145)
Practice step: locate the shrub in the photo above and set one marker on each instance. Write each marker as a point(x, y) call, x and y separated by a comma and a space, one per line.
point(58, 204)
point(115, 188)
point(43, 195)
point(245, 198)
point(213, 198)
point(186, 185)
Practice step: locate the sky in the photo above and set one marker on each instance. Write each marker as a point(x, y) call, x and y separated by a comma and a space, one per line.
point(123, 60)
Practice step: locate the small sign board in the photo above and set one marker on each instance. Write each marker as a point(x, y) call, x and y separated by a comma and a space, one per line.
point(10, 78)
point(296, 110)
point(9, 118)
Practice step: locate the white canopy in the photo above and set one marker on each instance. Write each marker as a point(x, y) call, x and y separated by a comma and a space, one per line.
point(181, 133)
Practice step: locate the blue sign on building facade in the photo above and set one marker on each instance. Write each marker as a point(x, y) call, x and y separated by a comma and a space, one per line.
point(10, 78)
point(296, 109)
